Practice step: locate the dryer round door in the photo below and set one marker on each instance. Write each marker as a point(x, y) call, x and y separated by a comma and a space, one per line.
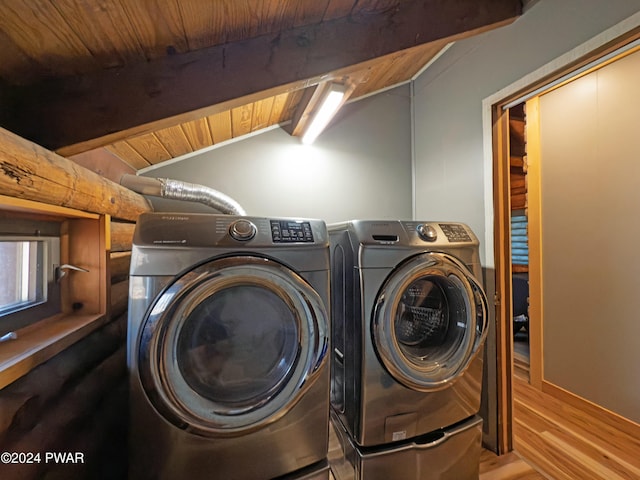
point(231, 345)
point(429, 322)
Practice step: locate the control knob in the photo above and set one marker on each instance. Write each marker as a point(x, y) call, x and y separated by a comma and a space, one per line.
point(242, 230)
point(427, 232)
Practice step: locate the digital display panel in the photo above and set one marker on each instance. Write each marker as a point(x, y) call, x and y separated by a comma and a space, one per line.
point(287, 231)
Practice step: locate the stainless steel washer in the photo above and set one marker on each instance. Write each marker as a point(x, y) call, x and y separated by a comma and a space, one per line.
point(227, 347)
point(409, 323)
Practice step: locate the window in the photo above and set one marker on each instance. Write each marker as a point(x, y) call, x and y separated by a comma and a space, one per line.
point(28, 290)
point(22, 260)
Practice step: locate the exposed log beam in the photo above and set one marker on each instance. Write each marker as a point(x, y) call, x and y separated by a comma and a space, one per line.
point(84, 112)
point(31, 172)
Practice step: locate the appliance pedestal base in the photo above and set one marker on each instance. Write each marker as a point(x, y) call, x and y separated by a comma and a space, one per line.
point(317, 471)
point(452, 453)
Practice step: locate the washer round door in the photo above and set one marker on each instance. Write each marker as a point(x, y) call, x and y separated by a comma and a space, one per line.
point(231, 345)
point(430, 320)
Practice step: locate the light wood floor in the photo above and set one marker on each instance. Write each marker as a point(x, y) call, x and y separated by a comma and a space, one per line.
point(506, 467)
point(521, 355)
point(565, 443)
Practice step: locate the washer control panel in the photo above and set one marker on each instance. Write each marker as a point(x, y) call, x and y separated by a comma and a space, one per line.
point(455, 232)
point(289, 231)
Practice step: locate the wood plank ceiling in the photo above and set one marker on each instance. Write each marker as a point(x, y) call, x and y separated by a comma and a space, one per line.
point(145, 81)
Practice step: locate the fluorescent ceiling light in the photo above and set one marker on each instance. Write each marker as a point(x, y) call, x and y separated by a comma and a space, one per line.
point(329, 105)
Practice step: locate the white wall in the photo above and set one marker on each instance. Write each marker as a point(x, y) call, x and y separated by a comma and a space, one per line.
point(360, 167)
point(448, 130)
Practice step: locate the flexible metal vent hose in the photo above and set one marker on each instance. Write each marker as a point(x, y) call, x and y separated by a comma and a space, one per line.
point(179, 190)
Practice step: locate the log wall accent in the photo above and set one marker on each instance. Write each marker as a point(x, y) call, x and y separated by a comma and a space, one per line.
point(75, 402)
point(31, 172)
point(518, 158)
point(119, 263)
point(518, 174)
point(121, 236)
point(119, 298)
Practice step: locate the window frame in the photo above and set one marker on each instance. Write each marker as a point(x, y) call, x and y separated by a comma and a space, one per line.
point(85, 296)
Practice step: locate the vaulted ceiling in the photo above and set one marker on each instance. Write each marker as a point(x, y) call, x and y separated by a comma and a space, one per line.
point(139, 82)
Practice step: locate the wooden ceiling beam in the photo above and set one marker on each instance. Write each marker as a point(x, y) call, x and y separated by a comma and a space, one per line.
point(78, 113)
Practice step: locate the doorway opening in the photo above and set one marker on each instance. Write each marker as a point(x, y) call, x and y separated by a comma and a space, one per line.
point(515, 134)
point(519, 239)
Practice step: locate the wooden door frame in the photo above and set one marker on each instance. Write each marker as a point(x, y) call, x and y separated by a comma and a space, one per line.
point(502, 263)
point(497, 204)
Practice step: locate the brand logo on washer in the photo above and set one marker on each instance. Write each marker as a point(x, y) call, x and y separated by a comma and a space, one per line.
point(175, 218)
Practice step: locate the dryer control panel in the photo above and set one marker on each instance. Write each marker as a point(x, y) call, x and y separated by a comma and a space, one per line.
point(287, 231)
point(189, 230)
point(455, 232)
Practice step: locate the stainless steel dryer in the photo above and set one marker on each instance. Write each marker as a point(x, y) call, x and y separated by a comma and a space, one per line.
point(409, 320)
point(227, 348)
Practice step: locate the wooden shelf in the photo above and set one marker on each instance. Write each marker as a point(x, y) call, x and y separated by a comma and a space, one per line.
point(40, 341)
